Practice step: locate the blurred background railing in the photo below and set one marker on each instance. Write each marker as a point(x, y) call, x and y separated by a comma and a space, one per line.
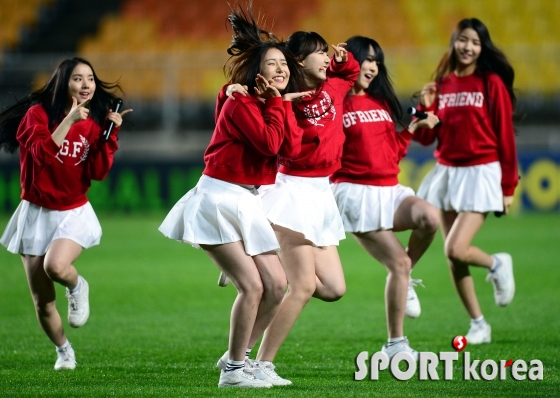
point(168, 57)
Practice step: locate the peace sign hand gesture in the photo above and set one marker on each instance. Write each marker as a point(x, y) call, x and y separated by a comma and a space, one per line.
point(78, 112)
point(341, 54)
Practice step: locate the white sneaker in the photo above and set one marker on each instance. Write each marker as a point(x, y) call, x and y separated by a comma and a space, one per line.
point(403, 345)
point(223, 280)
point(412, 303)
point(78, 305)
point(479, 333)
point(243, 377)
point(502, 279)
point(270, 375)
point(66, 359)
point(249, 363)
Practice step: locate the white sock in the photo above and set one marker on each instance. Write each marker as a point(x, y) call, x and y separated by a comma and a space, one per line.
point(233, 365)
point(78, 286)
point(64, 346)
point(247, 352)
point(478, 321)
point(496, 264)
point(395, 340)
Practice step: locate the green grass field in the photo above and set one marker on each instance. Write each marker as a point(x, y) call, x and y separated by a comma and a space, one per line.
point(159, 322)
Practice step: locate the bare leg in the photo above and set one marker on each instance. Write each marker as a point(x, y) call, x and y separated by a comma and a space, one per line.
point(329, 283)
point(386, 248)
point(459, 231)
point(44, 299)
point(298, 258)
point(242, 271)
point(274, 282)
point(58, 262)
point(423, 219)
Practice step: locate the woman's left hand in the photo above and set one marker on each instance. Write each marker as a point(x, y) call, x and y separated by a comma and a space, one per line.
point(116, 117)
point(508, 200)
point(340, 53)
point(428, 123)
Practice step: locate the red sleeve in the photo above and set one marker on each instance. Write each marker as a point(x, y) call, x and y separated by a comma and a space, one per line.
point(502, 112)
point(260, 129)
point(343, 75)
point(34, 134)
point(100, 160)
point(403, 142)
point(427, 136)
point(220, 101)
point(293, 134)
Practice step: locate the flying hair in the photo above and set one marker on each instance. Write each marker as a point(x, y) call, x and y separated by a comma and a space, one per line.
point(247, 32)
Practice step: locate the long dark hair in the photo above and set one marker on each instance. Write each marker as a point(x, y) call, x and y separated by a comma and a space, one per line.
point(491, 58)
point(249, 45)
point(381, 88)
point(54, 98)
point(301, 44)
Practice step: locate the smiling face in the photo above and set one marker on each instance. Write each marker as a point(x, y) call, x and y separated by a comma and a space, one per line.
point(274, 67)
point(368, 72)
point(467, 49)
point(315, 67)
point(81, 84)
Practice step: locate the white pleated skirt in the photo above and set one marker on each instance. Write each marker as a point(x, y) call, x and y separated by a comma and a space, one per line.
point(367, 208)
point(472, 188)
point(217, 212)
point(32, 228)
point(305, 205)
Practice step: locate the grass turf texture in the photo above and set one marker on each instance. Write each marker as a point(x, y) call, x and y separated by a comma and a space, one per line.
point(159, 322)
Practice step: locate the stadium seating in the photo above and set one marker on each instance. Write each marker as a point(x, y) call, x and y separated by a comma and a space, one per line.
point(16, 15)
point(177, 48)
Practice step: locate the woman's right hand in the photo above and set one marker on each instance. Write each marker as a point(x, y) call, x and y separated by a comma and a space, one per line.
point(236, 88)
point(265, 89)
point(428, 94)
point(78, 112)
point(293, 96)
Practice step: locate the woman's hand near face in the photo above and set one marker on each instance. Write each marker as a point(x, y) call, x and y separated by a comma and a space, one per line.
point(340, 53)
point(428, 94)
point(77, 112)
point(236, 88)
point(265, 89)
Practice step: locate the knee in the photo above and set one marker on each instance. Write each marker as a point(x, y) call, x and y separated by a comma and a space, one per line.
point(302, 292)
point(334, 293)
point(430, 220)
point(44, 307)
point(400, 266)
point(276, 291)
point(253, 290)
point(55, 269)
point(455, 254)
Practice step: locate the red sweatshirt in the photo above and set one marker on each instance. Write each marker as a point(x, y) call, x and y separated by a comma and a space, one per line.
point(321, 147)
point(58, 178)
point(249, 136)
point(471, 133)
point(373, 148)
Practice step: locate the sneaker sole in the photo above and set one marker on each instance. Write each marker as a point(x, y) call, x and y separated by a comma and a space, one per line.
point(65, 367)
point(238, 386)
point(223, 280)
point(508, 264)
point(84, 319)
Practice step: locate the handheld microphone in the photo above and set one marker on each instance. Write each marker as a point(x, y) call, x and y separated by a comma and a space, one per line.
point(117, 104)
point(419, 114)
point(415, 112)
